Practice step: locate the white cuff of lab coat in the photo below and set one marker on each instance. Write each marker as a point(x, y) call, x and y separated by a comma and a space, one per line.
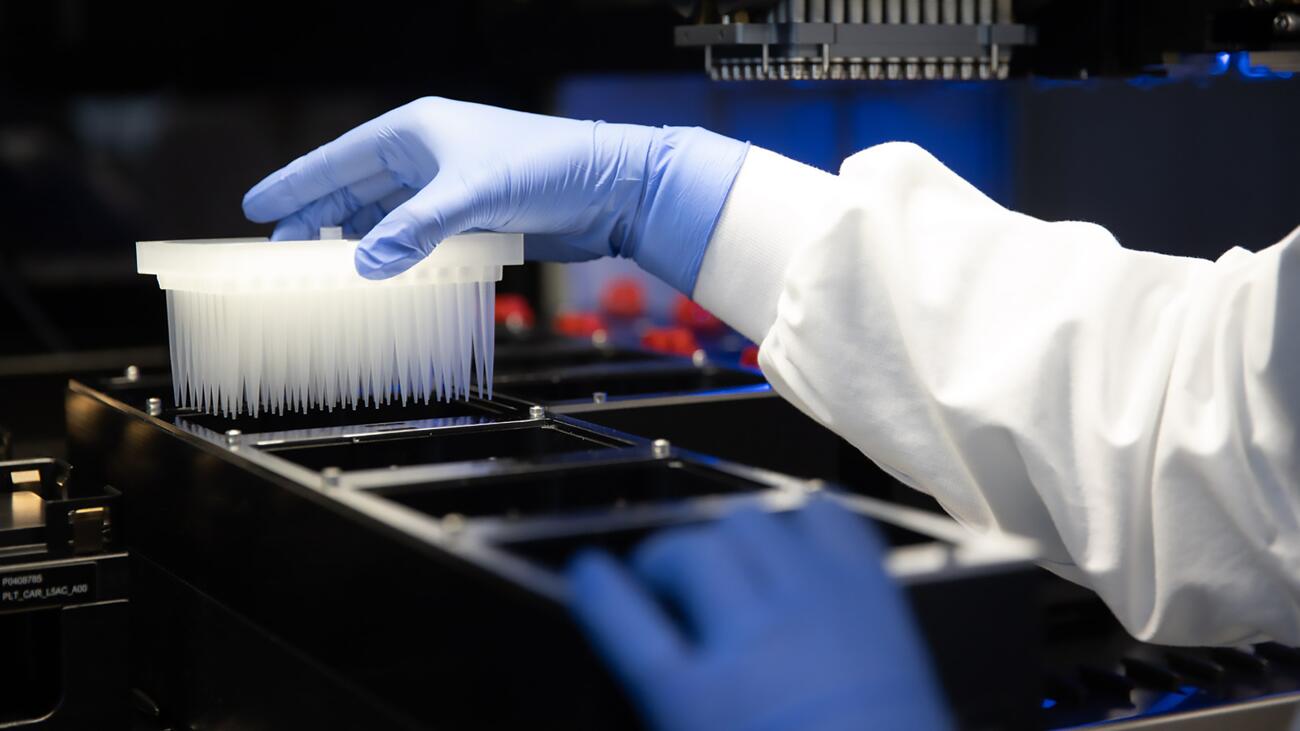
point(774, 207)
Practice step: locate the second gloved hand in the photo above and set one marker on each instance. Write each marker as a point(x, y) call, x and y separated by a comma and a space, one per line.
point(789, 623)
point(580, 190)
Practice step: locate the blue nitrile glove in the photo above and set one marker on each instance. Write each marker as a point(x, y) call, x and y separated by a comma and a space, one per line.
point(790, 623)
point(580, 190)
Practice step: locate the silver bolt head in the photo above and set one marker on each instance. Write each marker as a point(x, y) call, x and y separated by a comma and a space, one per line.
point(453, 523)
point(330, 476)
point(598, 397)
point(232, 437)
point(536, 412)
point(699, 358)
point(132, 373)
point(660, 448)
point(153, 406)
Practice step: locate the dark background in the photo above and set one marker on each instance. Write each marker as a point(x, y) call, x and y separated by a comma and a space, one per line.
point(128, 121)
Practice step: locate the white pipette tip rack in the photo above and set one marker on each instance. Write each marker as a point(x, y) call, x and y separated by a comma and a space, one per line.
point(259, 326)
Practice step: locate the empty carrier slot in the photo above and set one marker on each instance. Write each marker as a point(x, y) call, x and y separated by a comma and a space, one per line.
point(564, 387)
point(563, 490)
point(521, 359)
point(445, 445)
point(556, 552)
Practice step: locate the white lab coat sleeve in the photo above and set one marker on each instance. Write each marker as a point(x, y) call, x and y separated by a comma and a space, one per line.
point(1135, 413)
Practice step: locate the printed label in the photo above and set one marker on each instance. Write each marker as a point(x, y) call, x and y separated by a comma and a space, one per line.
point(55, 585)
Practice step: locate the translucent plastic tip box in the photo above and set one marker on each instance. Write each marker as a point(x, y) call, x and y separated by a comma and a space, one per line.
point(289, 325)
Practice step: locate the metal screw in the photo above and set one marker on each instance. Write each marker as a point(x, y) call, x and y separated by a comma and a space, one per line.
point(453, 523)
point(536, 412)
point(153, 406)
point(232, 437)
point(660, 448)
point(699, 358)
point(598, 397)
point(1286, 23)
point(132, 373)
point(330, 476)
point(144, 704)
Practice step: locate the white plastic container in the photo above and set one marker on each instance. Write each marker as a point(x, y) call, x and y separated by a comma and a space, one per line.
point(289, 325)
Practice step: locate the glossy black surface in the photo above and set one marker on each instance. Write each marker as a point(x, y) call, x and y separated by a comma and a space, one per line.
point(581, 488)
point(393, 617)
point(580, 384)
point(448, 445)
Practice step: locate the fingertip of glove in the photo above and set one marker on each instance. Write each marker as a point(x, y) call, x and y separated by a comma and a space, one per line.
point(385, 255)
point(292, 229)
point(663, 548)
point(749, 512)
point(589, 572)
point(826, 509)
point(379, 271)
point(588, 562)
point(840, 530)
point(257, 205)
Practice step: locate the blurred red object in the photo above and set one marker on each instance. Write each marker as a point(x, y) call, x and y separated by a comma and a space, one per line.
point(670, 340)
point(514, 312)
point(578, 324)
point(749, 356)
point(623, 297)
point(688, 314)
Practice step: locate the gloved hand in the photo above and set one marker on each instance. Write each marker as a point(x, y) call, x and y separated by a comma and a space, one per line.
point(790, 623)
point(580, 190)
